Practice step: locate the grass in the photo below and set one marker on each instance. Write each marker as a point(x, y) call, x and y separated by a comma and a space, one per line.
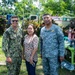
point(3, 69)
point(2, 57)
point(39, 69)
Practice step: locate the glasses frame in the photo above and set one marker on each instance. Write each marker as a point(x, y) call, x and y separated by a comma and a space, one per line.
point(15, 21)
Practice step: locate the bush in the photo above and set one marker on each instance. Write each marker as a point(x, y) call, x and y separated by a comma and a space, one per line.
point(2, 24)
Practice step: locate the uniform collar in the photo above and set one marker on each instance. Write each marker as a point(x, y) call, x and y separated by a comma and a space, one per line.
point(13, 29)
point(50, 29)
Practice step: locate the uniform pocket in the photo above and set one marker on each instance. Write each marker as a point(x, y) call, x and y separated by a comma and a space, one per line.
point(13, 36)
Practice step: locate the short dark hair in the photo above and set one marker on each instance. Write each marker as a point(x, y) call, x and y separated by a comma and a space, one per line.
point(46, 14)
point(14, 16)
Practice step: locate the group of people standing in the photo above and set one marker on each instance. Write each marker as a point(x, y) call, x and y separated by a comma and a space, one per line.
point(51, 47)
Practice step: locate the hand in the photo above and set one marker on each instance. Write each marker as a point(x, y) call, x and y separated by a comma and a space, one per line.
point(61, 58)
point(9, 60)
point(31, 60)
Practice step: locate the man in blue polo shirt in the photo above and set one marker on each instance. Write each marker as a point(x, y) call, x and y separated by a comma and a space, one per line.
point(52, 46)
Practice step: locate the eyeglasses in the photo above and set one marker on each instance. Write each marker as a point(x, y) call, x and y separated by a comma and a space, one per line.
point(14, 20)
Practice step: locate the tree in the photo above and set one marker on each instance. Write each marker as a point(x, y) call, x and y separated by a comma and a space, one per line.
point(61, 7)
point(25, 8)
point(2, 24)
point(7, 2)
point(52, 7)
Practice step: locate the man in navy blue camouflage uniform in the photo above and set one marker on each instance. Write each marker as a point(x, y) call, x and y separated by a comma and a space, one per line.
point(52, 46)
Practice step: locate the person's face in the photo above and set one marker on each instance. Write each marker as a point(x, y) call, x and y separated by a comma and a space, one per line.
point(30, 30)
point(14, 22)
point(47, 19)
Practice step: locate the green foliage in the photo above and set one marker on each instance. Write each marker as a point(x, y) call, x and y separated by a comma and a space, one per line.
point(73, 8)
point(59, 8)
point(2, 24)
point(2, 57)
point(55, 8)
point(6, 2)
point(25, 8)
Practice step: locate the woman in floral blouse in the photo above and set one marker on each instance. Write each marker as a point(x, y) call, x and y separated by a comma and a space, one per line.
point(30, 49)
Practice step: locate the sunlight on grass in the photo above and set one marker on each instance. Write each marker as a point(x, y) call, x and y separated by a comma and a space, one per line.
point(2, 56)
point(0, 43)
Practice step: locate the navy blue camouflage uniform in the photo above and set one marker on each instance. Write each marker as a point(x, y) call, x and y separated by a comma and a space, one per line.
point(52, 46)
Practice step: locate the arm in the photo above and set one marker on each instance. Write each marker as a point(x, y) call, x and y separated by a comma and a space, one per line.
point(60, 37)
point(5, 44)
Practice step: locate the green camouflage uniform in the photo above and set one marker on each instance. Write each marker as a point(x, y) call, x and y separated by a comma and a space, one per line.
point(11, 45)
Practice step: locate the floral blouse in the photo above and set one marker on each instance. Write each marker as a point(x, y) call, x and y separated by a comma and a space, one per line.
point(30, 43)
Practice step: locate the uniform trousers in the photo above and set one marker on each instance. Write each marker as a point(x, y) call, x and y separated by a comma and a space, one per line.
point(14, 67)
point(50, 65)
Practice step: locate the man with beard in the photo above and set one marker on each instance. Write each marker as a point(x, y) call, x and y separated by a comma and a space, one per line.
point(52, 40)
